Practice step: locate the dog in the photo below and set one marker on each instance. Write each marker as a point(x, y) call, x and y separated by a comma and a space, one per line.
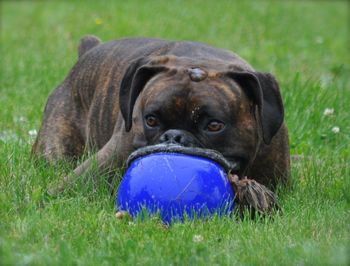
point(130, 93)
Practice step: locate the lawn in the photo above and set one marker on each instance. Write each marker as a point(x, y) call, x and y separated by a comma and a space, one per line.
point(304, 43)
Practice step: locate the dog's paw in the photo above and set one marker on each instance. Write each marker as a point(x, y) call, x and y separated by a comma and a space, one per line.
point(253, 196)
point(56, 189)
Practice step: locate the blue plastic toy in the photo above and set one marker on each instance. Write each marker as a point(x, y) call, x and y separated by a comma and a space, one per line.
point(175, 185)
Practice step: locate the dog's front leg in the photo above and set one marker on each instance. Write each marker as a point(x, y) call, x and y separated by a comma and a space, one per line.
point(104, 158)
point(253, 196)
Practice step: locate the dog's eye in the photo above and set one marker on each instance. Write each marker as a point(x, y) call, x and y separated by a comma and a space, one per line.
point(152, 121)
point(215, 126)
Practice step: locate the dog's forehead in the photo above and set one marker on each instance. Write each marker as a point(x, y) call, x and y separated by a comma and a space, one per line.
point(191, 89)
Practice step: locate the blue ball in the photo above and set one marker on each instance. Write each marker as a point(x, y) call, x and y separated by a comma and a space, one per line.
point(175, 185)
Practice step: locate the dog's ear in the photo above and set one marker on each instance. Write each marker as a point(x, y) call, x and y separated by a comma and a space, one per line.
point(264, 90)
point(87, 43)
point(135, 78)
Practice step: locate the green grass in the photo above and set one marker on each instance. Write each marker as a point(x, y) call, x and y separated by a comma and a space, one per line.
point(304, 43)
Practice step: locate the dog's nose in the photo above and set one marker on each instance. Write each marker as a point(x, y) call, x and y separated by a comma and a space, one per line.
point(176, 136)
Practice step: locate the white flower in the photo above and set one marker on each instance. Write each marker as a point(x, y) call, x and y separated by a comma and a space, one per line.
point(328, 111)
point(33, 133)
point(325, 80)
point(8, 135)
point(335, 130)
point(20, 119)
point(319, 40)
point(197, 238)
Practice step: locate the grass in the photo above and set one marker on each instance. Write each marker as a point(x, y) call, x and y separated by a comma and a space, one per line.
point(304, 43)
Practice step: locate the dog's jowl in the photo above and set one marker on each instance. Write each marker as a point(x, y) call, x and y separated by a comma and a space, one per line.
point(126, 94)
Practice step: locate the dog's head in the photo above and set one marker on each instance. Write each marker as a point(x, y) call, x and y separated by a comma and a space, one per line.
point(208, 104)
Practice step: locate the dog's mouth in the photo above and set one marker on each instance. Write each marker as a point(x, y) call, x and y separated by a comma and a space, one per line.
point(231, 164)
point(240, 160)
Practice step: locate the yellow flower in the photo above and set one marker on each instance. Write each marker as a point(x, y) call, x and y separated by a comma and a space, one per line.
point(98, 21)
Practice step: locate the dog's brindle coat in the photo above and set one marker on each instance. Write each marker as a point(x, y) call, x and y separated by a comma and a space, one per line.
point(131, 93)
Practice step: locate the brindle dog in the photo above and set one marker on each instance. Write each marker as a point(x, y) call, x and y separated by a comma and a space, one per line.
point(131, 93)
